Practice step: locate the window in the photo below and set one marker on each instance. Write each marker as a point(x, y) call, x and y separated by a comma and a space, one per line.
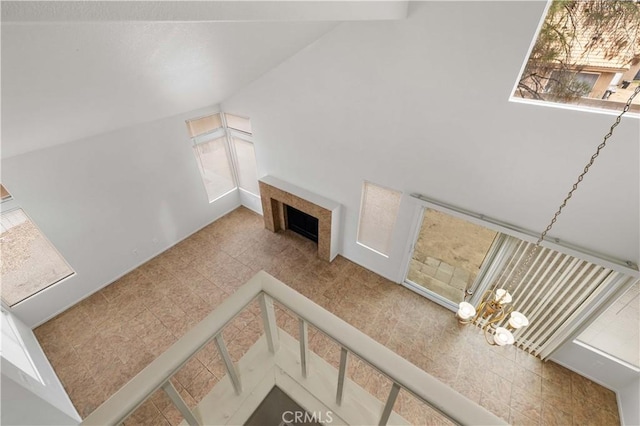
point(30, 263)
point(378, 213)
point(447, 256)
point(204, 125)
point(247, 174)
point(554, 291)
point(215, 167)
point(237, 122)
point(225, 153)
point(4, 193)
point(585, 53)
point(577, 84)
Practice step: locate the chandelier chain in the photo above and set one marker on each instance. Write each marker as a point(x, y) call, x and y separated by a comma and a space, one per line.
point(537, 247)
point(589, 164)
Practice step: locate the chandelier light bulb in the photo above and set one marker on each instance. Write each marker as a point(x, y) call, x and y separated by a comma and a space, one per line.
point(517, 320)
point(503, 337)
point(466, 311)
point(503, 296)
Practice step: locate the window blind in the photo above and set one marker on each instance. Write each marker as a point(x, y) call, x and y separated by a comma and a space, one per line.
point(552, 292)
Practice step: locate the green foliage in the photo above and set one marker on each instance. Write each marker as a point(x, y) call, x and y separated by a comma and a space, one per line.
point(573, 31)
point(565, 87)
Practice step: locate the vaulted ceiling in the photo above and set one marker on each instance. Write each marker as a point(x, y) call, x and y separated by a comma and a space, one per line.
point(75, 69)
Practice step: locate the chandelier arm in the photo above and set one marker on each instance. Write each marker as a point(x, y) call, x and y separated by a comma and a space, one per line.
point(589, 164)
point(492, 320)
point(488, 325)
point(486, 337)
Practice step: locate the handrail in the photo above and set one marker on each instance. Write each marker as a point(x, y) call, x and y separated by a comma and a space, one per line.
point(424, 386)
point(421, 384)
point(125, 401)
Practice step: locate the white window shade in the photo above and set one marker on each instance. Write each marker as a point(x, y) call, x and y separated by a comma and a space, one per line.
point(554, 290)
point(213, 160)
point(247, 174)
point(378, 214)
point(238, 123)
point(204, 125)
point(225, 154)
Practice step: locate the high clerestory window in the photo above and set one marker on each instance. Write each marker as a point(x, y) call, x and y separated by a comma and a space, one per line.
point(30, 263)
point(586, 54)
point(226, 157)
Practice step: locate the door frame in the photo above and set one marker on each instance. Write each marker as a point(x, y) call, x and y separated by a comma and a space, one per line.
point(479, 284)
point(497, 256)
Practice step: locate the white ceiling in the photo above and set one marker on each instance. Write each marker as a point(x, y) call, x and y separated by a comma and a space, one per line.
point(68, 74)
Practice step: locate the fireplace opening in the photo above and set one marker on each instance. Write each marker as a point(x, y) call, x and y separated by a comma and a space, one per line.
point(302, 223)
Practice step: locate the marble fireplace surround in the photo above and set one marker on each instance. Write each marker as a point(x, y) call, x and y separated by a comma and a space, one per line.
point(276, 193)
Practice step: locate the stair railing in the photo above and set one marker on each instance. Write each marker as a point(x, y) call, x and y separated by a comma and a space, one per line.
point(268, 289)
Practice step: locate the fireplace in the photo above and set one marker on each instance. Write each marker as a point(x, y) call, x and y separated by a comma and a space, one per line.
point(287, 206)
point(302, 223)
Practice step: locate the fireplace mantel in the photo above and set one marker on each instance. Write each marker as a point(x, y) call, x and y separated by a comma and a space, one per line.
point(275, 193)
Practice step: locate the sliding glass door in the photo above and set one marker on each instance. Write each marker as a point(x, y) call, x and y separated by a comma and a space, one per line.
point(454, 259)
point(448, 256)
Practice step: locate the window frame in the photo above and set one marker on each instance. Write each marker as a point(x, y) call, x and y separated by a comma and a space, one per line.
point(574, 76)
point(228, 134)
point(552, 104)
point(212, 137)
point(10, 204)
point(245, 138)
point(233, 133)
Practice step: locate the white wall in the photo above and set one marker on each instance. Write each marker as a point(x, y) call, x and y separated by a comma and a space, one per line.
point(100, 199)
point(22, 407)
point(25, 400)
point(629, 397)
point(421, 105)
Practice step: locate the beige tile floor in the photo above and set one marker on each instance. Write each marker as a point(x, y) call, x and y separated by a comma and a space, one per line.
point(99, 344)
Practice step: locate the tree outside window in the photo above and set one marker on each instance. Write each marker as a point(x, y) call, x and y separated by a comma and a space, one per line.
point(586, 52)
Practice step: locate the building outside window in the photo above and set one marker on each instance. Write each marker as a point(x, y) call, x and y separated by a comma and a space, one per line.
point(585, 53)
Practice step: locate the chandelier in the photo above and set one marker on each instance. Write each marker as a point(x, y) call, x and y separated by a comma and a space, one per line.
point(496, 305)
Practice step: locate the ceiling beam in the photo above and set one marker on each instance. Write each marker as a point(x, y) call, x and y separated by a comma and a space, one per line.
point(200, 11)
